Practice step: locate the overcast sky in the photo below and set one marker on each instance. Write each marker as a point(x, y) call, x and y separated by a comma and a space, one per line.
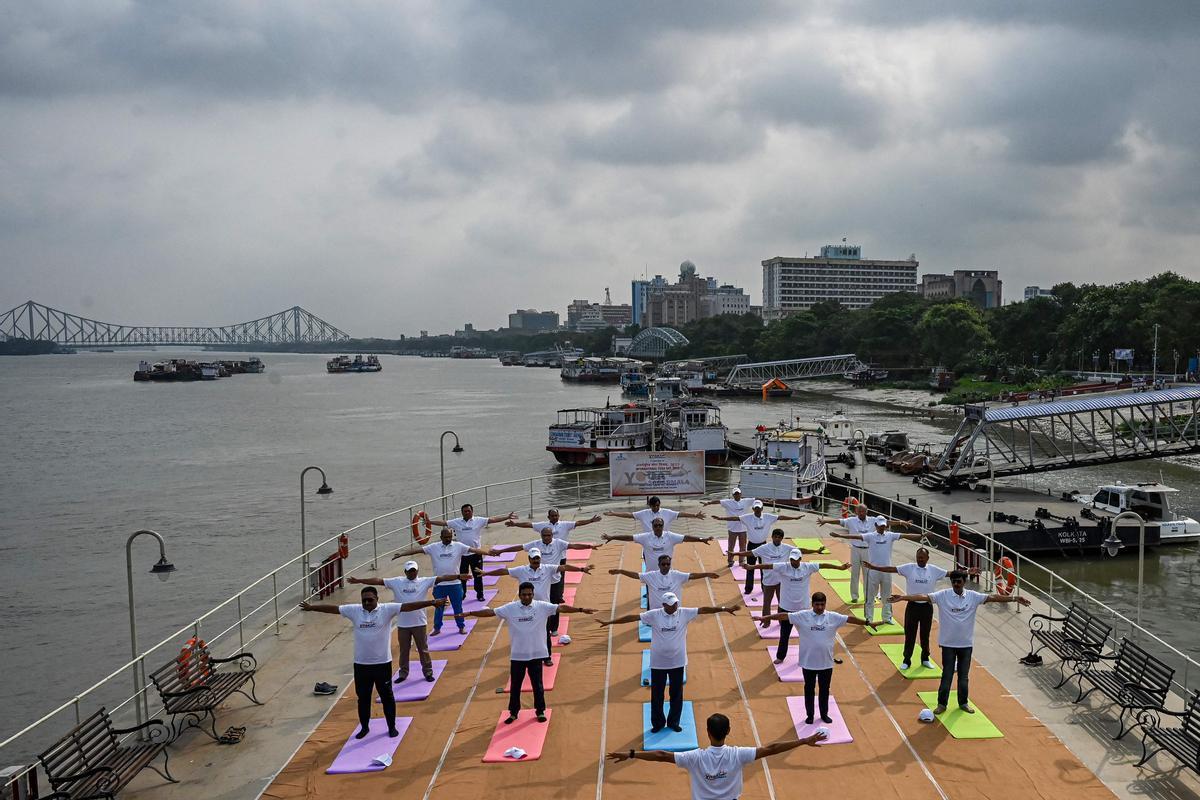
point(400, 165)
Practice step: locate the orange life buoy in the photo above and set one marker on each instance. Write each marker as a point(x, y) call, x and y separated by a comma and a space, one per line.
point(1006, 579)
point(343, 546)
point(954, 534)
point(416, 527)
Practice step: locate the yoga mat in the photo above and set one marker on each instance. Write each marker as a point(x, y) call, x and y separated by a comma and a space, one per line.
point(643, 632)
point(842, 590)
point(472, 604)
point(667, 739)
point(568, 595)
point(895, 654)
point(578, 555)
point(564, 622)
point(645, 598)
point(809, 543)
point(548, 675)
point(769, 632)
point(789, 671)
point(572, 577)
point(356, 754)
point(959, 723)
point(449, 638)
point(503, 557)
point(891, 629)
point(526, 733)
point(646, 669)
point(755, 598)
point(416, 688)
point(490, 580)
point(835, 573)
point(838, 732)
point(739, 574)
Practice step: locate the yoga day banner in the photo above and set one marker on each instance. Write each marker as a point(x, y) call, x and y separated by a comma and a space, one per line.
point(644, 473)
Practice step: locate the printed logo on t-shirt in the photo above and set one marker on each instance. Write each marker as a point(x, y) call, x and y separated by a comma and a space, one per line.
point(672, 627)
point(816, 627)
point(716, 776)
point(525, 619)
point(370, 623)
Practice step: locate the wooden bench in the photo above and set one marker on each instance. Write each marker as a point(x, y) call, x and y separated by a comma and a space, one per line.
point(192, 686)
point(1079, 636)
point(1137, 681)
point(1183, 741)
point(91, 762)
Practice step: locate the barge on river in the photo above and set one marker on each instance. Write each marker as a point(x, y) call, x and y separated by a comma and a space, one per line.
point(586, 436)
point(357, 364)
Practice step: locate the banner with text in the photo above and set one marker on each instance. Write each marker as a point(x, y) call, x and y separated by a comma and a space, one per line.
point(645, 473)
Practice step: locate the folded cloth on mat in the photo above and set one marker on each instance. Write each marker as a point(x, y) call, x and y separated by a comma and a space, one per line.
point(367, 754)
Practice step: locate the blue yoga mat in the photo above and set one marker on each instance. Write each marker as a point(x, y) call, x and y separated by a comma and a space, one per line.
point(667, 739)
point(643, 632)
point(646, 669)
point(644, 601)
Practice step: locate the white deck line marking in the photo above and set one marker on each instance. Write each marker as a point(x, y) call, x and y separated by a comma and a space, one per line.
point(462, 714)
point(738, 677)
point(607, 674)
point(903, 736)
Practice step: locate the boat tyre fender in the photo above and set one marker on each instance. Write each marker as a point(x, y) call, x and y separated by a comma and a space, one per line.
point(417, 519)
point(1006, 579)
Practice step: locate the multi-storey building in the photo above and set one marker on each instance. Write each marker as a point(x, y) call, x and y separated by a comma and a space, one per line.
point(980, 286)
point(527, 319)
point(839, 274)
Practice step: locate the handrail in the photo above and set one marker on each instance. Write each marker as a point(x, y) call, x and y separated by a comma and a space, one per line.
point(524, 494)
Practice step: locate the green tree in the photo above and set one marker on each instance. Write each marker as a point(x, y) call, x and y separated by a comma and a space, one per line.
point(950, 333)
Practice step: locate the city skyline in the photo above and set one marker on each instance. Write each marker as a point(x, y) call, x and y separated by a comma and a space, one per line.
point(397, 167)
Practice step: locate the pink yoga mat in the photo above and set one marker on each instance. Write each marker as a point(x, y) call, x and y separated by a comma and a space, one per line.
point(789, 671)
point(356, 754)
point(739, 574)
point(526, 733)
point(573, 577)
point(838, 732)
point(503, 557)
point(416, 688)
point(569, 595)
point(769, 632)
point(450, 638)
point(471, 604)
point(548, 675)
point(578, 555)
point(564, 622)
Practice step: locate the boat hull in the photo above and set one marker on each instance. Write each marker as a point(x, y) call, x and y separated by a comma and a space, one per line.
point(579, 456)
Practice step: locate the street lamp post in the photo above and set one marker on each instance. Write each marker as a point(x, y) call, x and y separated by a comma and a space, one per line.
point(163, 569)
point(323, 490)
point(862, 470)
point(442, 463)
point(1113, 544)
point(991, 511)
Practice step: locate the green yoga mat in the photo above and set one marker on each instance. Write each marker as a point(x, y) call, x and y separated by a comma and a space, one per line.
point(959, 723)
point(895, 654)
point(809, 543)
point(842, 590)
point(891, 629)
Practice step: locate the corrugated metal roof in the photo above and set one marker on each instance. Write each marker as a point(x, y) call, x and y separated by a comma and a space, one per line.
point(1129, 400)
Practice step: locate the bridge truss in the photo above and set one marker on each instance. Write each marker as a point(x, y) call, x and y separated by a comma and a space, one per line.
point(35, 321)
point(715, 363)
point(758, 373)
point(1042, 437)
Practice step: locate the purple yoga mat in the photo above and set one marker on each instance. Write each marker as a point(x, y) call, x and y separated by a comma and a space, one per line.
point(472, 604)
point(415, 687)
point(356, 754)
point(450, 639)
point(490, 580)
point(838, 732)
point(503, 557)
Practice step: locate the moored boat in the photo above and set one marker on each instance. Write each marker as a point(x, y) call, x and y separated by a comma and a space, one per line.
point(695, 425)
point(584, 436)
point(787, 465)
point(357, 364)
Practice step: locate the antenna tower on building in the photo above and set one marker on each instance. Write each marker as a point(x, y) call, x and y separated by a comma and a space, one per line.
point(607, 297)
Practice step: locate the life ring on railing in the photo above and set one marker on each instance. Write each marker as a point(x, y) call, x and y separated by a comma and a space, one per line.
point(343, 546)
point(1006, 579)
point(416, 527)
point(847, 505)
point(190, 667)
point(954, 534)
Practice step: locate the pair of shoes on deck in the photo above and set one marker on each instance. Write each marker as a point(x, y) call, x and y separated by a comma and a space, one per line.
point(232, 735)
point(324, 688)
point(541, 717)
point(657, 728)
point(403, 676)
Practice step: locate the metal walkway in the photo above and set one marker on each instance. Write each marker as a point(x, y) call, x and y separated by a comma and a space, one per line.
point(1042, 437)
point(34, 321)
point(715, 363)
point(758, 373)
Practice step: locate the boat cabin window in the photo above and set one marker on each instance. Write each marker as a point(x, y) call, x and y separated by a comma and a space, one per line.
point(1106, 498)
point(1150, 505)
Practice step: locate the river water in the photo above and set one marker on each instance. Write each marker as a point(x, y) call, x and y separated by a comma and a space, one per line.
point(90, 456)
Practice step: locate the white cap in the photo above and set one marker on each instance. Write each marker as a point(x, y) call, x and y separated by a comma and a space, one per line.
point(535, 553)
point(670, 599)
point(736, 490)
point(564, 639)
point(410, 565)
point(757, 504)
point(881, 522)
point(823, 731)
point(795, 555)
point(926, 715)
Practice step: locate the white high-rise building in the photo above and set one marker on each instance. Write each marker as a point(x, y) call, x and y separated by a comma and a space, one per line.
point(840, 274)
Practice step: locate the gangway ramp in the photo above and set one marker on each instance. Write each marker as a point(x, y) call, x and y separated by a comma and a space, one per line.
point(757, 373)
point(1042, 437)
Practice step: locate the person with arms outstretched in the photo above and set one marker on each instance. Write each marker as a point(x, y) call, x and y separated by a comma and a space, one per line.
point(857, 523)
point(468, 528)
point(774, 552)
point(659, 542)
point(541, 577)
point(654, 510)
point(879, 551)
point(793, 593)
point(449, 556)
point(662, 580)
point(559, 528)
point(553, 550)
point(758, 522)
point(919, 578)
point(735, 505)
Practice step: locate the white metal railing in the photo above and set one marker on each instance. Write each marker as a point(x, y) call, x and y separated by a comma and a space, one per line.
point(254, 612)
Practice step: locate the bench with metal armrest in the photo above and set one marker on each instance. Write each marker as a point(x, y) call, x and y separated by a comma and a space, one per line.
point(1137, 680)
point(1079, 636)
point(192, 686)
point(91, 762)
point(1182, 741)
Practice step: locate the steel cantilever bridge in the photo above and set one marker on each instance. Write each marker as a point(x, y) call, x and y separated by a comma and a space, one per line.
point(35, 321)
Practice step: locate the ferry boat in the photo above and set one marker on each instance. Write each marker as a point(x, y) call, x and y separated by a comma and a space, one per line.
point(634, 383)
point(695, 425)
point(664, 389)
point(593, 369)
point(252, 365)
point(358, 364)
point(552, 358)
point(175, 369)
point(458, 351)
point(787, 465)
point(1151, 501)
point(509, 358)
point(585, 436)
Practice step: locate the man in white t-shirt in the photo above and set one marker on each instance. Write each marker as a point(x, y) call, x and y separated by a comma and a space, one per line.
point(773, 552)
point(528, 646)
point(816, 631)
point(410, 625)
point(372, 650)
point(758, 525)
point(919, 578)
point(715, 772)
point(449, 556)
point(879, 551)
point(554, 551)
point(735, 506)
point(468, 529)
point(956, 632)
point(542, 577)
point(560, 528)
point(668, 654)
point(657, 543)
point(654, 510)
point(793, 577)
point(662, 580)
point(857, 523)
